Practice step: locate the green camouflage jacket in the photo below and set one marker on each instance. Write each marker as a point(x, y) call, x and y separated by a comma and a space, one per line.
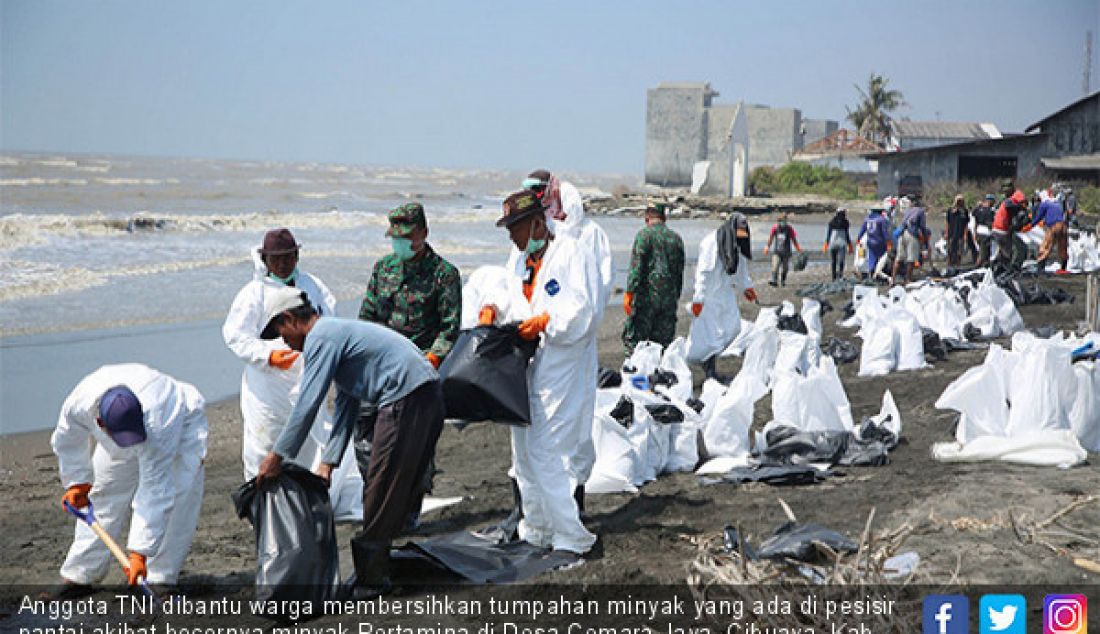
point(656, 273)
point(421, 299)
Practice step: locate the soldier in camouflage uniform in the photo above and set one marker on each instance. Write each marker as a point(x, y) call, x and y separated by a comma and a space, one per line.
point(417, 293)
point(654, 282)
point(413, 290)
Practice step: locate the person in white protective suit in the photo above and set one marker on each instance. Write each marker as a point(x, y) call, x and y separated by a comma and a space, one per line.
point(565, 210)
point(146, 470)
point(272, 371)
point(557, 383)
point(721, 274)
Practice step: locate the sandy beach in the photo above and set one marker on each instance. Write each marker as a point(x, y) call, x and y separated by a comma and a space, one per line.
point(961, 512)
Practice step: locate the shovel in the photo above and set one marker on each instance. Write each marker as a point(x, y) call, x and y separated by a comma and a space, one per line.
point(87, 515)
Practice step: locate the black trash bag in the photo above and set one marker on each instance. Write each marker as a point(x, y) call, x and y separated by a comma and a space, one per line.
point(662, 377)
point(954, 345)
point(933, 346)
point(796, 541)
point(666, 413)
point(696, 405)
point(799, 261)
point(485, 376)
point(793, 323)
point(608, 378)
point(841, 351)
point(296, 553)
point(623, 412)
point(787, 445)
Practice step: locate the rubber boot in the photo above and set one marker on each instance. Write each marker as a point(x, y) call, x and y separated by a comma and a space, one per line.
point(578, 496)
point(372, 567)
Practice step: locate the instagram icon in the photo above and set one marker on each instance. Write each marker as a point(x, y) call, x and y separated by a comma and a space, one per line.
point(1065, 614)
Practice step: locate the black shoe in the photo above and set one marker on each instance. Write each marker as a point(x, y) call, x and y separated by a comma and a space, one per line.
point(772, 283)
point(372, 566)
point(67, 590)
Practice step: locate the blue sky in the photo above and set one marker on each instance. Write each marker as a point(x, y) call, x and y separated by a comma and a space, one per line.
point(503, 84)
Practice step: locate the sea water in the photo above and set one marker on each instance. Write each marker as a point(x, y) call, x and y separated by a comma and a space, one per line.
point(105, 259)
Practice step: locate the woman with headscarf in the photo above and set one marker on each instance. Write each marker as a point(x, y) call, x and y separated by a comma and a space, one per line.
point(721, 271)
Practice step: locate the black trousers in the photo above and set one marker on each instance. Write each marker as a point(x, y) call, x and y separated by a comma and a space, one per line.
point(402, 446)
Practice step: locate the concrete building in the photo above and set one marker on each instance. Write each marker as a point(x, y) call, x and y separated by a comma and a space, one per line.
point(1055, 146)
point(692, 141)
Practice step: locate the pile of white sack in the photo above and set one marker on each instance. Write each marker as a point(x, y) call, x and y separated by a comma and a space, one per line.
point(1083, 251)
point(1030, 404)
point(890, 325)
point(807, 395)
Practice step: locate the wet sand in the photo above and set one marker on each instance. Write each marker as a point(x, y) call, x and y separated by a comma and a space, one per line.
point(644, 536)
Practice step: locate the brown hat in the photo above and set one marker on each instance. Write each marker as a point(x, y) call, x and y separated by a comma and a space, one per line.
point(279, 242)
point(405, 219)
point(519, 206)
point(656, 209)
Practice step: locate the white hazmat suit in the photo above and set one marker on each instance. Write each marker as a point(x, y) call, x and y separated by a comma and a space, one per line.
point(596, 249)
point(268, 394)
point(160, 479)
point(559, 390)
point(720, 320)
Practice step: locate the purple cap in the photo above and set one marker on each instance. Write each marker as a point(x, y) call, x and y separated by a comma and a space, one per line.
point(120, 411)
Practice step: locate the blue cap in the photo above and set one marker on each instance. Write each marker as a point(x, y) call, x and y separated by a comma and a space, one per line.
point(120, 411)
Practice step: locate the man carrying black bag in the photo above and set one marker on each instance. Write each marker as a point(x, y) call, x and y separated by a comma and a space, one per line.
point(368, 363)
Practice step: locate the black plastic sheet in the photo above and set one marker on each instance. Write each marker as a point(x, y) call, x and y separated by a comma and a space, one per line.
point(296, 553)
point(481, 561)
point(797, 541)
point(485, 376)
point(775, 475)
point(623, 412)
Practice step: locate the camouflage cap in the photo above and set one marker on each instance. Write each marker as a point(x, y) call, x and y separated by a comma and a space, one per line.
point(406, 218)
point(519, 206)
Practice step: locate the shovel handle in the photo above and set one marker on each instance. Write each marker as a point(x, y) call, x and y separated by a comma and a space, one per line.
point(88, 517)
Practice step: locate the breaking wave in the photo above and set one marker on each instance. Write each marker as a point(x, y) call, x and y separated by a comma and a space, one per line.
point(18, 230)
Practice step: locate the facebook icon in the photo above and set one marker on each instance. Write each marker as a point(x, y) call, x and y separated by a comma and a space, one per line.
point(946, 614)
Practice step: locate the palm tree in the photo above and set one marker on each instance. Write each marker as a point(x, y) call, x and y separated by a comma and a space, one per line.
point(872, 116)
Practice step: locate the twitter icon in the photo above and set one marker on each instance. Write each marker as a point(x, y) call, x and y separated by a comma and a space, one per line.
point(1002, 614)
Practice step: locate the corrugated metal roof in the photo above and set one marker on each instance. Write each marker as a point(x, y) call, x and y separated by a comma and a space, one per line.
point(840, 142)
point(1078, 162)
point(939, 130)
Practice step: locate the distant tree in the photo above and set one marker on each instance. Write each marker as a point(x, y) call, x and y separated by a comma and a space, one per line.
point(871, 116)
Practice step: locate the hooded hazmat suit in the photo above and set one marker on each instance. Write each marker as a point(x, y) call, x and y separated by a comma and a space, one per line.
point(268, 394)
point(160, 480)
point(596, 249)
point(720, 320)
point(561, 393)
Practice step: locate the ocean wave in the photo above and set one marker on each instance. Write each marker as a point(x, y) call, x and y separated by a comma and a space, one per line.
point(137, 181)
point(38, 180)
point(323, 195)
point(18, 230)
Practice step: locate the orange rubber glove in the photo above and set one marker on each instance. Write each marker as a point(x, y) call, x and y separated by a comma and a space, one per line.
point(628, 303)
point(433, 359)
point(750, 294)
point(825, 248)
point(135, 572)
point(798, 248)
point(1025, 228)
point(487, 315)
point(282, 359)
point(529, 329)
point(696, 308)
point(849, 248)
point(76, 495)
point(765, 250)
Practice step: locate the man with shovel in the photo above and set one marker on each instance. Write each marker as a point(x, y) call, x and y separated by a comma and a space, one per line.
point(146, 469)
